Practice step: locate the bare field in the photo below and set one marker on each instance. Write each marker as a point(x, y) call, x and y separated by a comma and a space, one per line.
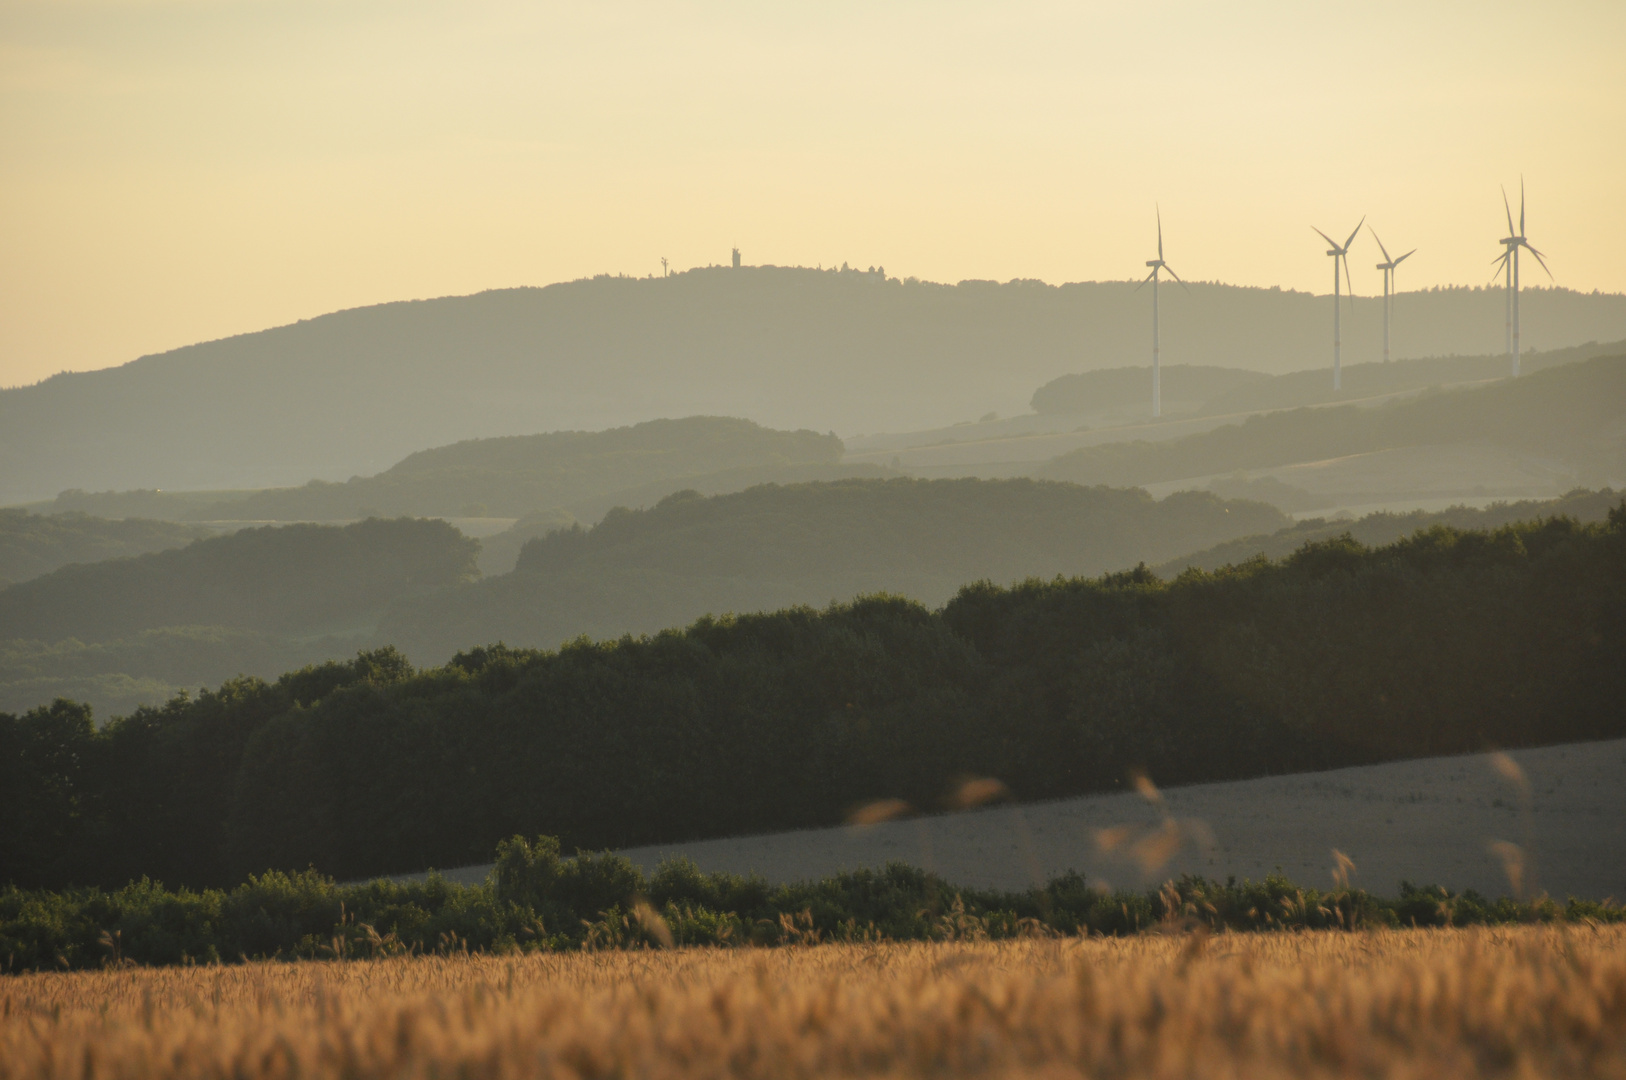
point(1429, 820)
point(1525, 1002)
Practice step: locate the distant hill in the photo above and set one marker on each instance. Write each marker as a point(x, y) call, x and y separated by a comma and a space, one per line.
point(1375, 530)
point(1314, 387)
point(579, 474)
point(150, 667)
point(1575, 413)
point(299, 579)
point(582, 471)
point(1213, 390)
point(352, 392)
point(1128, 390)
point(772, 546)
point(35, 544)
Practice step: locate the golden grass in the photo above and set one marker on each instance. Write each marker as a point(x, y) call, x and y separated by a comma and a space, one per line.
point(1519, 1002)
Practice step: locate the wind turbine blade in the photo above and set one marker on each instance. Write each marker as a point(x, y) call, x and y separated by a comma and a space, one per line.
point(1521, 206)
point(1381, 248)
point(1349, 283)
point(1353, 233)
point(1497, 266)
point(1509, 211)
point(1406, 256)
point(1539, 259)
point(1160, 234)
point(1176, 277)
point(1324, 236)
point(1145, 279)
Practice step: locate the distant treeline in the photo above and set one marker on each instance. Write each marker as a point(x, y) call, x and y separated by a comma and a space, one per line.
point(302, 578)
point(1385, 527)
point(1571, 412)
point(1216, 391)
point(775, 546)
point(35, 544)
point(535, 900)
point(1444, 642)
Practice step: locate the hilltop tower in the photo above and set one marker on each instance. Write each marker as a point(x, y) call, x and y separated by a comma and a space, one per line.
point(736, 258)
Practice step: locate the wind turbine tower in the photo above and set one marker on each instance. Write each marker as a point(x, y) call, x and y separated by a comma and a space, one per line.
point(1340, 254)
point(1157, 265)
point(1509, 261)
point(1388, 267)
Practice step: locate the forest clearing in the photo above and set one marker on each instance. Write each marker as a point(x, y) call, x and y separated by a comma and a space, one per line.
point(1519, 1001)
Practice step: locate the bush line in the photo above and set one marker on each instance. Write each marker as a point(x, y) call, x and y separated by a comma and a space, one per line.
point(537, 900)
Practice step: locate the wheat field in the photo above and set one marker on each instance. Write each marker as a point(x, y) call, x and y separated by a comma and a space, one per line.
point(1521, 1002)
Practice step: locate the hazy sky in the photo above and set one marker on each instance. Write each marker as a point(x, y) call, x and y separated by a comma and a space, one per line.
point(175, 171)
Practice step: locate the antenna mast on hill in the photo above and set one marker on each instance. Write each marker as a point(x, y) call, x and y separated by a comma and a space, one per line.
point(1340, 254)
point(1388, 267)
point(1157, 264)
point(663, 267)
point(1509, 261)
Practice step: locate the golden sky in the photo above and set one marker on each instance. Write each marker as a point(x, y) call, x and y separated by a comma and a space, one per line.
point(179, 170)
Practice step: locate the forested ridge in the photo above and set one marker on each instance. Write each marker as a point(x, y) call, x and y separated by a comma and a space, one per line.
point(774, 546)
point(35, 544)
point(1340, 654)
point(1573, 412)
point(296, 578)
point(1220, 391)
point(578, 470)
point(1385, 527)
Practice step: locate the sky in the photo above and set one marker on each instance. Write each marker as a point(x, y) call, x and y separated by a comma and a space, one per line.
point(174, 171)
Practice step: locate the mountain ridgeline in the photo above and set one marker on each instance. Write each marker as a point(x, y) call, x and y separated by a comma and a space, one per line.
point(351, 392)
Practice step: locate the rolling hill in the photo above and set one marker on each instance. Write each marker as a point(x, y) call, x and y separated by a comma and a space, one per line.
point(296, 579)
point(1574, 415)
point(35, 544)
point(1376, 530)
point(639, 571)
point(351, 392)
point(1214, 391)
point(580, 471)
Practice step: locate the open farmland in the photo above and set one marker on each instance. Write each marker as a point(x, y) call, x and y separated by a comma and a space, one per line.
point(1519, 1001)
point(1438, 819)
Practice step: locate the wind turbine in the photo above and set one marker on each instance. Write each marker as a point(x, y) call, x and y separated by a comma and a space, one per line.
point(1509, 261)
point(1157, 264)
point(1339, 254)
point(1388, 267)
